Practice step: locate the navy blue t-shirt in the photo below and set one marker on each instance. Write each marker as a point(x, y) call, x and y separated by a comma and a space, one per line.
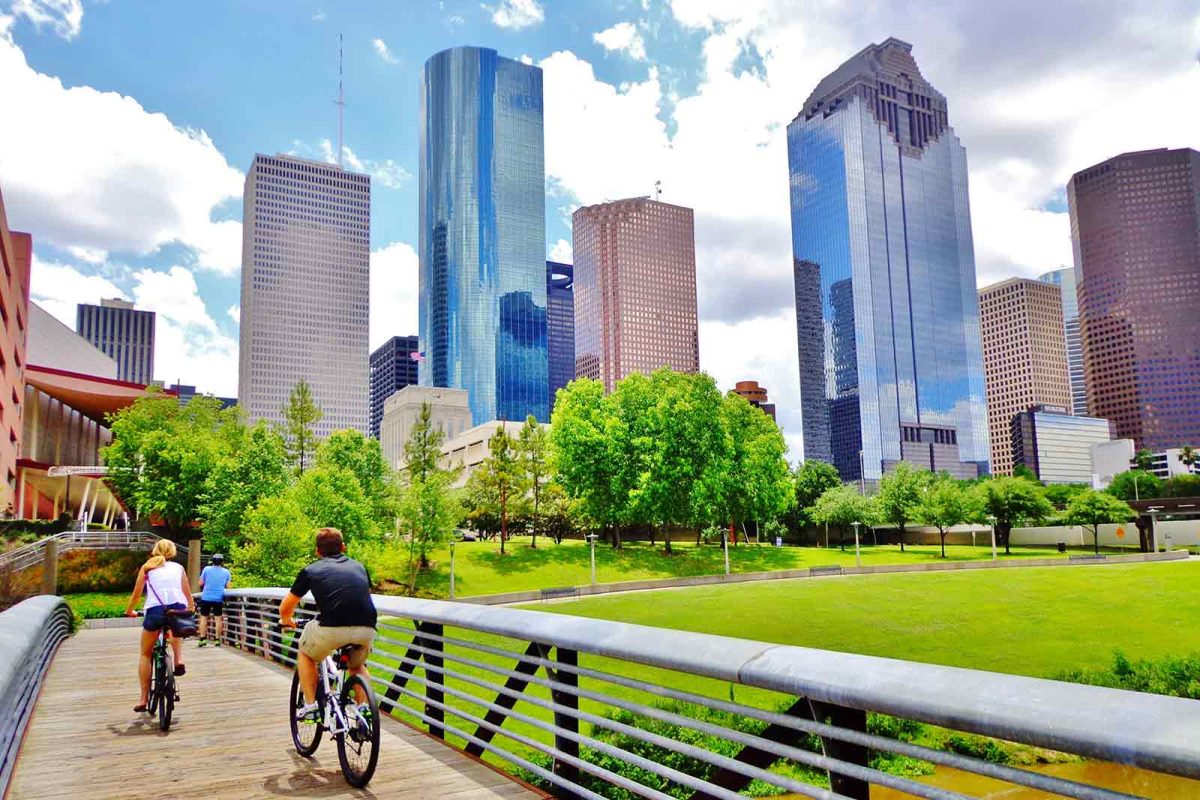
point(342, 591)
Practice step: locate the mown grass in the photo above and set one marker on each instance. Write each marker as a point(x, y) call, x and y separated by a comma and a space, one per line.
point(97, 605)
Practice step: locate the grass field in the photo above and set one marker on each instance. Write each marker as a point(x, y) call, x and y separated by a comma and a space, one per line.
point(480, 569)
point(98, 605)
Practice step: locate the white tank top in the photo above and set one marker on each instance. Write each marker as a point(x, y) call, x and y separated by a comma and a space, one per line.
point(164, 585)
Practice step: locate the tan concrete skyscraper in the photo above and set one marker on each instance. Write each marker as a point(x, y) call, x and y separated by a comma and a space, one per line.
point(635, 289)
point(1024, 357)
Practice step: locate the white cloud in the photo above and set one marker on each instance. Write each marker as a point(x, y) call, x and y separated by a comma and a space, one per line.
point(385, 173)
point(189, 347)
point(516, 14)
point(455, 20)
point(59, 288)
point(235, 314)
point(98, 173)
point(319, 16)
point(562, 252)
point(382, 50)
point(622, 37)
point(64, 16)
point(393, 293)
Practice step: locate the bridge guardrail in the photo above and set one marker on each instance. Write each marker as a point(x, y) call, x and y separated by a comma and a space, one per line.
point(609, 703)
point(26, 556)
point(30, 632)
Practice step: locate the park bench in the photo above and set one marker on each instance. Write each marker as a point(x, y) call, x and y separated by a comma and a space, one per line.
point(559, 591)
point(1089, 558)
point(828, 569)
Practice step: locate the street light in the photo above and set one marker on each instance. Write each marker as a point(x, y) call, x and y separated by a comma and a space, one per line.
point(725, 547)
point(992, 525)
point(857, 554)
point(591, 537)
point(451, 568)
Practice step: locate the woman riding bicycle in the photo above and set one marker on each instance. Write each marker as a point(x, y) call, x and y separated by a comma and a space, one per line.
point(166, 587)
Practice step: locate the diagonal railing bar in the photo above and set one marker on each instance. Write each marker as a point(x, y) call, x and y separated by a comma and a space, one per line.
point(462, 672)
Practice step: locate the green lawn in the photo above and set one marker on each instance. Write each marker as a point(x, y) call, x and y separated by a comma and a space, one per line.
point(98, 605)
point(480, 569)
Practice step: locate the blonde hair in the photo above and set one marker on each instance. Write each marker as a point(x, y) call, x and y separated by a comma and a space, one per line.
point(164, 551)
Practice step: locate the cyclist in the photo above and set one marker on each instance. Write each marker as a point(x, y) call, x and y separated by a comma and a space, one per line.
point(166, 585)
point(342, 590)
point(214, 580)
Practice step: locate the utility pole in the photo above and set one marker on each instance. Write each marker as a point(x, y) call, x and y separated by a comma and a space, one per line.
point(657, 190)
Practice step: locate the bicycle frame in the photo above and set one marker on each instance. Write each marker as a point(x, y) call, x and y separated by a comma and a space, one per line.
point(332, 679)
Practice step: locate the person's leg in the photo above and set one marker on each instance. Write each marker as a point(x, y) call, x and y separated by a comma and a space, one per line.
point(202, 628)
point(308, 677)
point(219, 624)
point(146, 649)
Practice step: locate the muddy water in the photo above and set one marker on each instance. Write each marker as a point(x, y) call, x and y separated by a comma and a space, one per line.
point(1110, 776)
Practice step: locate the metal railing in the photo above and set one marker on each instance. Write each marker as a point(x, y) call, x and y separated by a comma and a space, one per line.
point(30, 632)
point(579, 706)
point(30, 555)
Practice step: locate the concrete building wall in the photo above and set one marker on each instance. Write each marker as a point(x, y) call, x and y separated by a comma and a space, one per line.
point(53, 344)
point(122, 332)
point(471, 447)
point(449, 410)
point(16, 256)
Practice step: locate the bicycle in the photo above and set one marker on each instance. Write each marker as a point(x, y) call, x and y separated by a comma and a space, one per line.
point(163, 693)
point(353, 725)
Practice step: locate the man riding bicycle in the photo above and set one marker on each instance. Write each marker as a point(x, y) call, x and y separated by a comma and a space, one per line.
point(347, 614)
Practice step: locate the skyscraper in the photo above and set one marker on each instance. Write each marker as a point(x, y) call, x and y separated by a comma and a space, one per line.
point(560, 325)
point(635, 289)
point(1024, 357)
point(1064, 279)
point(123, 333)
point(306, 240)
point(1135, 227)
point(392, 368)
point(886, 308)
point(483, 232)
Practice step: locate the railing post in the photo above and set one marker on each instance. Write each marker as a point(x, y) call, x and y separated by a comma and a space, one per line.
point(434, 676)
point(851, 719)
point(50, 567)
point(193, 563)
point(566, 723)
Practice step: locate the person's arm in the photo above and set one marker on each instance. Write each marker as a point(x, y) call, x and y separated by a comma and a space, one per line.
point(187, 592)
point(292, 599)
point(138, 586)
point(203, 573)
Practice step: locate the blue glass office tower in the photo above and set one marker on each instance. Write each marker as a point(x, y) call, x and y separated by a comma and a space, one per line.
point(887, 312)
point(560, 325)
point(483, 233)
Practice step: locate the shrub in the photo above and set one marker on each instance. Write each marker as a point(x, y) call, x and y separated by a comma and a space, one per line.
point(97, 605)
point(279, 542)
point(1177, 676)
point(98, 570)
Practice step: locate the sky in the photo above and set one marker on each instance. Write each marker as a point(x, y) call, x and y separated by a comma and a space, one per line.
point(127, 128)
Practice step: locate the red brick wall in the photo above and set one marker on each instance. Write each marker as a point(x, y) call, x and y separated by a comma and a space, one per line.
point(16, 253)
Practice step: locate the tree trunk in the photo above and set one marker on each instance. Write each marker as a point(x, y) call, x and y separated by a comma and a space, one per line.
point(652, 534)
point(536, 518)
point(1004, 531)
point(616, 537)
point(667, 538)
point(699, 533)
point(902, 531)
point(1096, 539)
point(942, 534)
point(503, 519)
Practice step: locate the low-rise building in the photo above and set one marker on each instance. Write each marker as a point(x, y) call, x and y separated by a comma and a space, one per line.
point(1055, 445)
point(755, 395)
point(1119, 455)
point(467, 451)
point(449, 412)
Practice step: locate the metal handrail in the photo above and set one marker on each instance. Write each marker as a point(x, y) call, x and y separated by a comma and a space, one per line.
point(30, 632)
point(458, 683)
point(29, 555)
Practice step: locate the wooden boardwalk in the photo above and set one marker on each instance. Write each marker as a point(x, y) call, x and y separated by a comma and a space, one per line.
point(229, 737)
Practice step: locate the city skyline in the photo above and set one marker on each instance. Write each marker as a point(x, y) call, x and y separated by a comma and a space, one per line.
point(661, 128)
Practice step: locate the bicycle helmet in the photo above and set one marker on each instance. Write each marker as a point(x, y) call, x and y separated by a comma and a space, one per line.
point(218, 558)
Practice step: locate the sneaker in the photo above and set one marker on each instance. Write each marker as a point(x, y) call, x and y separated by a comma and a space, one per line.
point(180, 669)
point(203, 642)
point(310, 712)
point(217, 643)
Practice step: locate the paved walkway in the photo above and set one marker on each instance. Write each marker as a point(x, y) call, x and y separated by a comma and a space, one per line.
point(229, 737)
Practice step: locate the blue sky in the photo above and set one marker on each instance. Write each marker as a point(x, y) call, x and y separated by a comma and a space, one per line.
point(136, 121)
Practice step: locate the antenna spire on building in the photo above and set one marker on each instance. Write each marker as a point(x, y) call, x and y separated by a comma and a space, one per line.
point(657, 190)
point(340, 102)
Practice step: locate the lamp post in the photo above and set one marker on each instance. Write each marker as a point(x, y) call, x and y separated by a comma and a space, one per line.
point(591, 537)
point(857, 554)
point(1153, 512)
point(725, 546)
point(992, 525)
point(452, 569)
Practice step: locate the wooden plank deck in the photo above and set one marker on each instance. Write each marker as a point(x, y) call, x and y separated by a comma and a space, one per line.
point(229, 737)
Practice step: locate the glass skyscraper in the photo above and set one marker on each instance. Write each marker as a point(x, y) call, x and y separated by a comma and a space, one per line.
point(560, 325)
point(886, 307)
point(1065, 280)
point(483, 233)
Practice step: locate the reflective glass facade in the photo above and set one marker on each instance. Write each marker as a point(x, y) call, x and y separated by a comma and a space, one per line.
point(881, 236)
point(1065, 280)
point(560, 325)
point(123, 333)
point(483, 233)
point(392, 368)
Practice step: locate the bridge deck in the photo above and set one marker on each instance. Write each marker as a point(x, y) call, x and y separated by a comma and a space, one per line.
point(229, 737)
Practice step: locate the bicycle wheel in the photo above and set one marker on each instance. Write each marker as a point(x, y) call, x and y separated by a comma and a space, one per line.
point(158, 669)
point(358, 748)
point(166, 703)
point(306, 734)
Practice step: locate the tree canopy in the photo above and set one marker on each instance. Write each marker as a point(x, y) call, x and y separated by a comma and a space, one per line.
point(842, 506)
point(946, 503)
point(1091, 509)
point(300, 413)
point(1136, 484)
point(899, 496)
point(1011, 502)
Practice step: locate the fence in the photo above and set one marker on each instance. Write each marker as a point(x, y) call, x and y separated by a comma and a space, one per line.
point(30, 632)
point(588, 707)
point(32, 554)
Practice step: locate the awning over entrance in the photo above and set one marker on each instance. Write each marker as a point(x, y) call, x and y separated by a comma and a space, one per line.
point(92, 396)
point(45, 491)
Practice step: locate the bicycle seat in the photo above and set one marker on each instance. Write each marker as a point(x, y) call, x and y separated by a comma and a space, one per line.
point(342, 656)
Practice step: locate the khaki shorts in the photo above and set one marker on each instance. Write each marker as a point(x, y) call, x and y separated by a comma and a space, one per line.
point(317, 642)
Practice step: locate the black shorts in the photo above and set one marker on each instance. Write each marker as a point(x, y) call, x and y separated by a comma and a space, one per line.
point(211, 608)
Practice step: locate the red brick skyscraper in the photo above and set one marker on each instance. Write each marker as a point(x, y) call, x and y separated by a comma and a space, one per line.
point(635, 289)
point(1135, 226)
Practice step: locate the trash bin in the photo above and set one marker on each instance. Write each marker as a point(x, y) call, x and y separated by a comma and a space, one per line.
point(1062, 547)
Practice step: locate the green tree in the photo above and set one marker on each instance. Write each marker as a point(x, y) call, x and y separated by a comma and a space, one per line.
point(756, 482)
point(842, 506)
point(277, 541)
point(254, 468)
point(1136, 484)
point(501, 472)
point(1011, 501)
point(1025, 473)
point(811, 479)
point(1187, 485)
point(162, 453)
point(363, 457)
point(428, 514)
point(559, 513)
point(1061, 494)
point(423, 450)
point(331, 497)
point(481, 506)
point(1188, 456)
point(900, 495)
point(944, 504)
point(534, 462)
point(1143, 460)
point(300, 413)
point(1091, 509)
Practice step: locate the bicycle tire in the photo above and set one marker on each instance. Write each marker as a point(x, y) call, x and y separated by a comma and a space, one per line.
point(363, 739)
point(166, 704)
point(301, 730)
point(156, 681)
